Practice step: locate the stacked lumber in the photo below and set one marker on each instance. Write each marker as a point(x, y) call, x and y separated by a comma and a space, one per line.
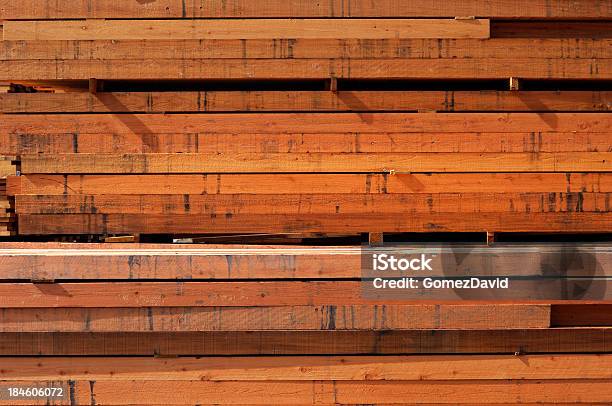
point(129, 175)
point(7, 217)
point(280, 120)
point(232, 324)
point(97, 158)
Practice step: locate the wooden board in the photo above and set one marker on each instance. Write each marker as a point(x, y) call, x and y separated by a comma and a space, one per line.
point(491, 341)
point(313, 368)
point(582, 316)
point(329, 392)
point(302, 48)
point(281, 69)
point(453, 142)
point(187, 262)
point(394, 204)
point(196, 295)
point(244, 29)
point(32, 9)
point(308, 101)
point(316, 163)
point(300, 184)
point(306, 123)
point(358, 317)
point(102, 224)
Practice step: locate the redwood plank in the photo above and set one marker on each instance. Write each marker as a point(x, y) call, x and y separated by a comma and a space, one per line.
point(254, 69)
point(320, 48)
point(292, 184)
point(456, 142)
point(329, 392)
point(393, 204)
point(93, 262)
point(581, 316)
point(306, 123)
point(487, 341)
point(212, 101)
point(358, 223)
point(48, 261)
point(352, 368)
point(359, 317)
point(313, 293)
point(482, 391)
point(315, 162)
point(33, 9)
point(244, 29)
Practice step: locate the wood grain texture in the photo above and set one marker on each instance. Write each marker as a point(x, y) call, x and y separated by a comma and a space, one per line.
point(352, 368)
point(315, 163)
point(131, 262)
point(320, 48)
point(307, 123)
point(196, 295)
point(330, 392)
point(102, 224)
point(217, 101)
point(261, 69)
point(358, 317)
point(107, 261)
point(244, 29)
point(300, 184)
point(274, 343)
point(451, 142)
point(32, 9)
point(394, 204)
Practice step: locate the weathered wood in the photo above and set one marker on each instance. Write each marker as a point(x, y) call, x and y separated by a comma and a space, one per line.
point(352, 368)
point(294, 293)
point(260, 69)
point(459, 142)
point(495, 48)
point(49, 261)
point(487, 341)
point(359, 317)
point(342, 392)
point(244, 29)
point(306, 123)
point(33, 9)
point(159, 102)
point(33, 224)
point(292, 184)
point(316, 162)
point(31, 261)
point(396, 204)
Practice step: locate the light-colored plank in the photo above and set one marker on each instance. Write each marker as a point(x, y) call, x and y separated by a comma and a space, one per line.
point(57, 262)
point(312, 293)
point(244, 29)
point(316, 162)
